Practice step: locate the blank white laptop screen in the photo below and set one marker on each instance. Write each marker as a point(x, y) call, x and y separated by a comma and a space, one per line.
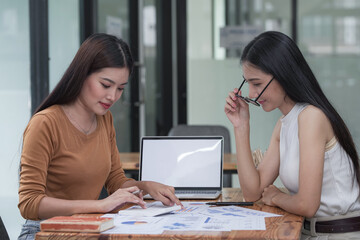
point(183, 162)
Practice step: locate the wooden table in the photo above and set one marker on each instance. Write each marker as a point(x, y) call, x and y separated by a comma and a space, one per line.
point(288, 226)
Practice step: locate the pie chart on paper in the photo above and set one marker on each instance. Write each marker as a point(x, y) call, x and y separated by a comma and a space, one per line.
point(134, 222)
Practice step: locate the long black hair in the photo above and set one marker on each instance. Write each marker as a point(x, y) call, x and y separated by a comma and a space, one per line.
point(98, 51)
point(277, 54)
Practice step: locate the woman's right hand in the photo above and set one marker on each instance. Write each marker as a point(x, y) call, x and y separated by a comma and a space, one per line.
point(236, 109)
point(121, 197)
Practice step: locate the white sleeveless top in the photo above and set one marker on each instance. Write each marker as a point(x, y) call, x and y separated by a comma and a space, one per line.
point(340, 191)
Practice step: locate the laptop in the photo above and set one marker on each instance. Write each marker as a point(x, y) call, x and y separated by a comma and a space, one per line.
point(193, 165)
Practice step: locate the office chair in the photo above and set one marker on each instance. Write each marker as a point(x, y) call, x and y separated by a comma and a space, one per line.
point(206, 130)
point(3, 233)
point(103, 194)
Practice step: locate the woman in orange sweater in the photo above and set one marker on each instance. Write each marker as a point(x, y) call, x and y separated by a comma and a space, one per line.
point(69, 146)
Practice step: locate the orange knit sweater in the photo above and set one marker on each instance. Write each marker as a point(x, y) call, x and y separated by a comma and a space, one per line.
point(60, 161)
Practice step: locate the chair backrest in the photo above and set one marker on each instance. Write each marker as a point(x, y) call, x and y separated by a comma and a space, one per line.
point(3, 233)
point(203, 130)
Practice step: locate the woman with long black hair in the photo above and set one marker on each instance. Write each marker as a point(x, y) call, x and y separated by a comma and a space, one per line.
point(311, 149)
point(69, 146)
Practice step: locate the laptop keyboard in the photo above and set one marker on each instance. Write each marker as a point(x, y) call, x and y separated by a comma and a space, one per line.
point(195, 192)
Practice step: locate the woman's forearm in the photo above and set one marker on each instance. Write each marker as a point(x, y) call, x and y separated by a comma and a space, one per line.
point(50, 207)
point(248, 175)
point(295, 204)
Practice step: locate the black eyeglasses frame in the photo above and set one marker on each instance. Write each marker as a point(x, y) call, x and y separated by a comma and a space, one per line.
point(249, 100)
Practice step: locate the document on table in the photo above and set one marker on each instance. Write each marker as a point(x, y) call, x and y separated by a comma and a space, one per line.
point(223, 211)
point(135, 225)
point(156, 225)
point(202, 223)
point(152, 209)
point(195, 216)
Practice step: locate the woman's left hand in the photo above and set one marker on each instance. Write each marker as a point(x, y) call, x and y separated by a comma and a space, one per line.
point(269, 193)
point(163, 193)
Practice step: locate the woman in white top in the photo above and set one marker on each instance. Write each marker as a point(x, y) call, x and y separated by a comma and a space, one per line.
point(311, 149)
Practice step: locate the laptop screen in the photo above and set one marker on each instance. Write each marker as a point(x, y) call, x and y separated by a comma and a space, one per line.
point(182, 162)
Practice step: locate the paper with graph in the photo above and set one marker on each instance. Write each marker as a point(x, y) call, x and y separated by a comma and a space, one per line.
point(195, 216)
point(152, 209)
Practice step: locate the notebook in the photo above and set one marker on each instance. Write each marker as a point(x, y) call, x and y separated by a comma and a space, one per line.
point(193, 164)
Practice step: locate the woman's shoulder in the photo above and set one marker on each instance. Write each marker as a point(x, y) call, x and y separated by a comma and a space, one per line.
point(54, 109)
point(50, 114)
point(313, 113)
point(46, 120)
point(314, 119)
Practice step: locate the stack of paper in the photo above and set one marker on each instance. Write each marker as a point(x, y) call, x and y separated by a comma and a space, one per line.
point(152, 209)
point(195, 216)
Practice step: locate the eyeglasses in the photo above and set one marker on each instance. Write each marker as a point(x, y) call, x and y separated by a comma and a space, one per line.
point(249, 100)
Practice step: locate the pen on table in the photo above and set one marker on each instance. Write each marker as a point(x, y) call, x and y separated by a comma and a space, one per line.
point(230, 203)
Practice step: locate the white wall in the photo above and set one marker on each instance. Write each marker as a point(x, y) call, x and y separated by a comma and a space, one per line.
point(64, 37)
point(14, 104)
point(15, 99)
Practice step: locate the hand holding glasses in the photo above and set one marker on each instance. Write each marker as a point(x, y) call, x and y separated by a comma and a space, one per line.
point(249, 100)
